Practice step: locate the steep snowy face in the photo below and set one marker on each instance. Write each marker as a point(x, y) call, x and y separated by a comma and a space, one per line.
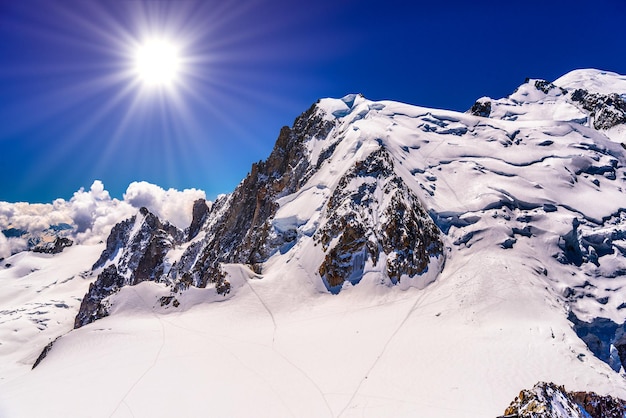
point(546, 186)
point(590, 97)
point(596, 81)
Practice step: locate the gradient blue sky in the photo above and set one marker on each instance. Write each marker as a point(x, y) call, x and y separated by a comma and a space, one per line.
point(70, 113)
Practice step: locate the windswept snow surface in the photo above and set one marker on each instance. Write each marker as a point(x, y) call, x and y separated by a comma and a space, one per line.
point(505, 193)
point(40, 296)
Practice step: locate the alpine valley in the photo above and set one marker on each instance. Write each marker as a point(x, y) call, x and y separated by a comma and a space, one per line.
point(385, 260)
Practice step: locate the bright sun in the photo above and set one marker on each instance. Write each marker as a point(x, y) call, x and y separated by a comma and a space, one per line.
point(157, 62)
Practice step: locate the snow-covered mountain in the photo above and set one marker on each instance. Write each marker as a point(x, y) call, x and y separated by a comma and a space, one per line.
point(385, 260)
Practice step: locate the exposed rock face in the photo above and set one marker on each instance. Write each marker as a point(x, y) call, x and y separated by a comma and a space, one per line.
point(600, 406)
point(136, 249)
point(547, 400)
point(371, 212)
point(199, 215)
point(54, 247)
point(609, 109)
point(481, 108)
point(92, 307)
point(139, 245)
point(238, 226)
point(44, 352)
point(545, 86)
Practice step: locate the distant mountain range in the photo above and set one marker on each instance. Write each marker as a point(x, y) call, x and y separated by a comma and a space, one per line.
point(385, 260)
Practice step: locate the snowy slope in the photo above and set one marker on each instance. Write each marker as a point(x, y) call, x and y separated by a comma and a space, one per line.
point(529, 209)
point(39, 300)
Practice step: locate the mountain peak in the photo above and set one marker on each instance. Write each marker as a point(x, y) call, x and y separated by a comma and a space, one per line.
point(339, 108)
point(593, 80)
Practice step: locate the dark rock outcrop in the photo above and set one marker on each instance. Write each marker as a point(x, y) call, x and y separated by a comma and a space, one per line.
point(199, 215)
point(545, 87)
point(143, 241)
point(547, 400)
point(136, 250)
point(54, 247)
point(481, 108)
point(92, 307)
point(598, 406)
point(608, 109)
point(362, 227)
point(44, 352)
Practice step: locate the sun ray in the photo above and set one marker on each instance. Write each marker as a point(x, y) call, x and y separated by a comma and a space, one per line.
point(126, 101)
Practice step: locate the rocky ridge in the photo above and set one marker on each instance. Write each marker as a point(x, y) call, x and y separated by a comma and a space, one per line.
point(547, 400)
point(135, 252)
point(53, 247)
point(238, 227)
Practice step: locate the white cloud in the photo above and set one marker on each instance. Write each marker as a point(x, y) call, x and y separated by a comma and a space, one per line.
point(93, 213)
point(31, 216)
point(85, 205)
point(172, 205)
point(5, 249)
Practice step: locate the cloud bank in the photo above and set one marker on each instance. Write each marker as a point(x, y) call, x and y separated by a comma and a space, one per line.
point(172, 205)
point(5, 248)
point(88, 216)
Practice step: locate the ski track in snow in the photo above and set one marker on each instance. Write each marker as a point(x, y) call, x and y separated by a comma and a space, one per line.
point(418, 298)
point(154, 362)
point(284, 357)
point(416, 304)
point(267, 309)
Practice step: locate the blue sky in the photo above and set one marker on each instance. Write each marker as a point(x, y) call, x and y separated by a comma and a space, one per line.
point(72, 110)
